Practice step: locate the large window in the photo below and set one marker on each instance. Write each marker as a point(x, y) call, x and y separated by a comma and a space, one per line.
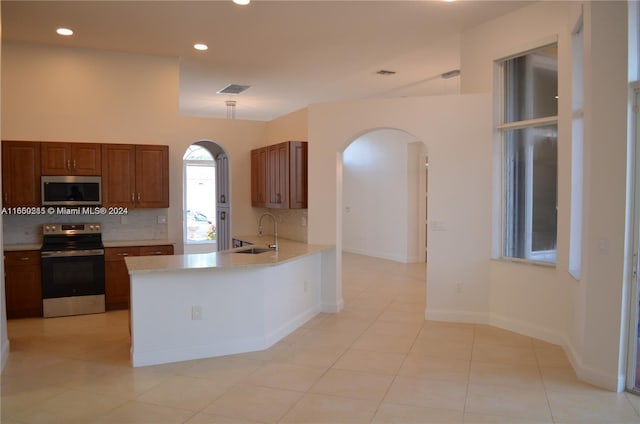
point(200, 195)
point(529, 132)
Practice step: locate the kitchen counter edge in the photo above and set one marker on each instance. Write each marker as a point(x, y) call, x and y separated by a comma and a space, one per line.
point(227, 259)
point(115, 243)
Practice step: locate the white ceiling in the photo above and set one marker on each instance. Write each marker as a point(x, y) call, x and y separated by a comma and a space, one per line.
point(291, 53)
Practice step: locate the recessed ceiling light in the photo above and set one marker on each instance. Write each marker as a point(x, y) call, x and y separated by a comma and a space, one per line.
point(200, 46)
point(64, 31)
point(242, 2)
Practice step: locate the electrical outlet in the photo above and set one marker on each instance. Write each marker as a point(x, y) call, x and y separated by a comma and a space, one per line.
point(303, 221)
point(196, 313)
point(162, 219)
point(459, 288)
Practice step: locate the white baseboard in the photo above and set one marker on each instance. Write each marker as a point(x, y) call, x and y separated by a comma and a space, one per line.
point(333, 308)
point(373, 254)
point(456, 316)
point(520, 327)
point(591, 375)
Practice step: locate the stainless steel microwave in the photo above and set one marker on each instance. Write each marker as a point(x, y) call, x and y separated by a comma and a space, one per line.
point(71, 190)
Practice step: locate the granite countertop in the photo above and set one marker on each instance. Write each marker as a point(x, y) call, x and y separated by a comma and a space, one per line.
point(114, 243)
point(288, 250)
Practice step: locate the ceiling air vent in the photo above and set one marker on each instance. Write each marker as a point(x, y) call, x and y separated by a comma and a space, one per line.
point(385, 72)
point(233, 89)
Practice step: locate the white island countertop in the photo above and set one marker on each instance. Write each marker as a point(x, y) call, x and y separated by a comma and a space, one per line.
point(287, 250)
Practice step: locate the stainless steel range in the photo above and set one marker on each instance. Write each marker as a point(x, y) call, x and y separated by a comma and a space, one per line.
point(72, 260)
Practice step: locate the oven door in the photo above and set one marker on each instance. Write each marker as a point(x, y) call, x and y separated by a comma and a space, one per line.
point(72, 273)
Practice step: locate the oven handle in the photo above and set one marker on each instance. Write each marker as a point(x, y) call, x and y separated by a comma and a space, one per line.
point(68, 253)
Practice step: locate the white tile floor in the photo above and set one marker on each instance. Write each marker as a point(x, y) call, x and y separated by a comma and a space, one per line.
point(376, 361)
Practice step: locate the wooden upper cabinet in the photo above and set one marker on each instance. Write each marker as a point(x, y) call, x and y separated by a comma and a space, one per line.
point(20, 173)
point(118, 175)
point(135, 176)
point(71, 159)
point(259, 177)
point(298, 153)
point(279, 176)
point(152, 176)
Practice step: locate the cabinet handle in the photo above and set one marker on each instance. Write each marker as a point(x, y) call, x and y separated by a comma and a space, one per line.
point(24, 258)
point(156, 253)
point(223, 215)
point(69, 164)
point(6, 198)
point(279, 198)
point(133, 197)
point(223, 198)
point(123, 254)
point(74, 164)
point(138, 197)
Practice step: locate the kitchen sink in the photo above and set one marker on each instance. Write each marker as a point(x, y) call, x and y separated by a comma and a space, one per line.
point(254, 250)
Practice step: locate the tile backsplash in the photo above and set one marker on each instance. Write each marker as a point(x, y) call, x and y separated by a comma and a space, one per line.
point(289, 223)
point(137, 224)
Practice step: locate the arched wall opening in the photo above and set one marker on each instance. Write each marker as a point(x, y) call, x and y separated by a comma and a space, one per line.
point(384, 193)
point(205, 198)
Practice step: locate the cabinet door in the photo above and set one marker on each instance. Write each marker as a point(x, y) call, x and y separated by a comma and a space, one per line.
point(156, 250)
point(259, 177)
point(278, 176)
point(152, 176)
point(20, 173)
point(56, 159)
point(86, 159)
point(117, 277)
point(23, 285)
point(118, 175)
point(222, 180)
point(298, 175)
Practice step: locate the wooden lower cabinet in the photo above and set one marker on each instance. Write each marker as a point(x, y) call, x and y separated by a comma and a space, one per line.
point(23, 285)
point(117, 286)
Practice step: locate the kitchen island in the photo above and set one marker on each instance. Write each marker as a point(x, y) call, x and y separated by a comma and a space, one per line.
point(212, 304)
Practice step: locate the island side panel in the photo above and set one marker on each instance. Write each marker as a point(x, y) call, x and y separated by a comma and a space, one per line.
point(292, 296)
point(237, 309)
point(191, 314)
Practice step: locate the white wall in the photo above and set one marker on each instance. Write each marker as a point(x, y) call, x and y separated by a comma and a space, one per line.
point(548, 303)
point(55, 93)
point(378, 190)
point(457, 133)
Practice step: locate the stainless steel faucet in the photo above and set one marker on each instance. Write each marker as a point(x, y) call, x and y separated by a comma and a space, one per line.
point(275, 231)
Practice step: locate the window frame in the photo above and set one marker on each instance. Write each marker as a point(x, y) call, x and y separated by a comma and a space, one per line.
point(185, 164)
point(501, 129)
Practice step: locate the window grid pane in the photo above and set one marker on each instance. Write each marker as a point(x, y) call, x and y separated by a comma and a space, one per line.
point(530, 156)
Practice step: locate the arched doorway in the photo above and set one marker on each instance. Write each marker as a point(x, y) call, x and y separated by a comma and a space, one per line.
point(206, 202)
point(384, 196)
